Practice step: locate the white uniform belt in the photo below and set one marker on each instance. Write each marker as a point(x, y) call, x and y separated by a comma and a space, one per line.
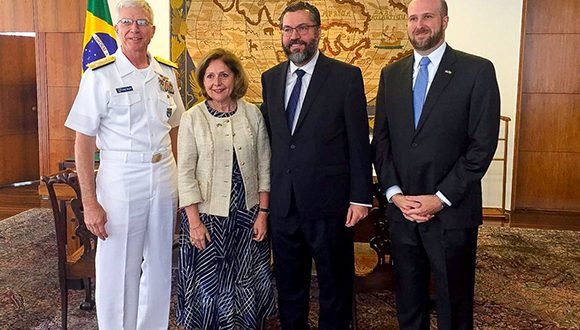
point(134, 156)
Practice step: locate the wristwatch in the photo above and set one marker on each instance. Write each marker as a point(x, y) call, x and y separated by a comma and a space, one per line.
point(265, 210)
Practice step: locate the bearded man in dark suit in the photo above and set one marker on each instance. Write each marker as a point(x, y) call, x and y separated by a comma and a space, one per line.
point(436, 129)
point(315, 111)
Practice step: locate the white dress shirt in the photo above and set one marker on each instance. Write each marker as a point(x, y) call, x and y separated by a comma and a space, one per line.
point(291, 81)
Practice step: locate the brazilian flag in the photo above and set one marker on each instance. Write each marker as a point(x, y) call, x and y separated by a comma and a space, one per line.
point(99, 38)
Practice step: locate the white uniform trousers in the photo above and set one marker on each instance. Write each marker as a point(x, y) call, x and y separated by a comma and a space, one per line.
point(133, 265)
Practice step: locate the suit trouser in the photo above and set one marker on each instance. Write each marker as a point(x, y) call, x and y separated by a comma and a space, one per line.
point(133, 265)
point(421, 250)
point(296, 240)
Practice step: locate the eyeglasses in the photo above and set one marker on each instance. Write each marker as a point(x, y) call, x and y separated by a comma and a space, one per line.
point(302, 29)
point(129, 21)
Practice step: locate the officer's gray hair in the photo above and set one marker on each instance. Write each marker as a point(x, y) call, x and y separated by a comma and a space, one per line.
point(134, 4)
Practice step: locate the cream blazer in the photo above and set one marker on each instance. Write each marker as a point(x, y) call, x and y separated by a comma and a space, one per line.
point(205, 148)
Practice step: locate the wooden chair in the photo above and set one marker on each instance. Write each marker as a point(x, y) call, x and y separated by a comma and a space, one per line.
point(74, 271)
point(374, 230)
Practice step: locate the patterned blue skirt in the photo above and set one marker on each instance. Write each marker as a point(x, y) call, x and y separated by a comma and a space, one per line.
point(229, 284)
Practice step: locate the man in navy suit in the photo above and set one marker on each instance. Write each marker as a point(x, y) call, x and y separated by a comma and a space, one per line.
point(315, 110)
point(436, 129)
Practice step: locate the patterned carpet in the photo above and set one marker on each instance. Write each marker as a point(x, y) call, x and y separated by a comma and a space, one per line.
point(526, 279)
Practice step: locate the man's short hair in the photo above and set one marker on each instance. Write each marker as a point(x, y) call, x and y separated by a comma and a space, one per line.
point(302, 5)
point(444, 8)
point(134, 4)
point(241, 81)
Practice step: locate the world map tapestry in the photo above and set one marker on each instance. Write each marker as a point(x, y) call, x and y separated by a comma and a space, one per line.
point(367, 33)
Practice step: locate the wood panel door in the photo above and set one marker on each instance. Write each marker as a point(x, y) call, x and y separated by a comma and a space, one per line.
point(546, 190)
point(18, 110)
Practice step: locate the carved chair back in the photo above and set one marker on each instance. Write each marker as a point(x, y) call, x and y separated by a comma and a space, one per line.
point(76, 259)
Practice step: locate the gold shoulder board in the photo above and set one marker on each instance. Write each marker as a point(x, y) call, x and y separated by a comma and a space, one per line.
point(166, 62)
point(101, 62)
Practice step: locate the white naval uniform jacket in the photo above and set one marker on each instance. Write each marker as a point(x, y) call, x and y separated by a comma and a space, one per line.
point(205, 149)
point(124, 114)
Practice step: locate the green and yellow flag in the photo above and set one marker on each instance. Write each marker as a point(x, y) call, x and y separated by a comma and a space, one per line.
point(99, 38)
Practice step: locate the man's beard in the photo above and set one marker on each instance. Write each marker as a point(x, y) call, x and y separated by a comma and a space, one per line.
point(301, 57)
point(428, 43)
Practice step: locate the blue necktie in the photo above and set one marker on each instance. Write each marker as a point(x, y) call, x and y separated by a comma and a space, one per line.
point(294, 96)
point(420, 88)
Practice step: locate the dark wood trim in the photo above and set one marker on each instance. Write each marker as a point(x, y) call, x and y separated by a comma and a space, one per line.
point(549, 93)
point(35, 15)
point(42, 96)
point(519, 102)
point(20, 199)
point(550, 33)
point(545, 219)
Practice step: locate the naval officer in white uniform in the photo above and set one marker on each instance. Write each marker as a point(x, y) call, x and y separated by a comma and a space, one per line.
point(126, 106)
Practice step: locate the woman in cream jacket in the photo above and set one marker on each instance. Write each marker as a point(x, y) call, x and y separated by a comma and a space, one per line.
point(225, 278)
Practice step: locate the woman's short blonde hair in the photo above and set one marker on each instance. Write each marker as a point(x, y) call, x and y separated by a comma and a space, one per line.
point(241, 81)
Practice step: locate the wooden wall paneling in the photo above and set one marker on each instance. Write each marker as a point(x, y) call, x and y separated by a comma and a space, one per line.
point(551, 123)
point(546, 184)
point(60, 27)
point(554, 16)
point(63, 53)
point(59, 151)
point(17, 16)
point(61, 15)
point(60, 100)
point(61, 139)
point(553, 72)
point(548, 181)
point(64, 59)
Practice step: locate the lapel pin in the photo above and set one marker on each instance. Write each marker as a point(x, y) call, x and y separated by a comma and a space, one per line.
point(448, 72)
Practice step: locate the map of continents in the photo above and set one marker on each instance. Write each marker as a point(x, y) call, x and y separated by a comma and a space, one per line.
point(365, 33)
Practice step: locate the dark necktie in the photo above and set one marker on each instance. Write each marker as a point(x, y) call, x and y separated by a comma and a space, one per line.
point(420, 89)
point(294, 96)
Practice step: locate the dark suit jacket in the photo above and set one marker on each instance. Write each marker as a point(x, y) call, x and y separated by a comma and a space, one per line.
point(327, 160)
point(455, 139)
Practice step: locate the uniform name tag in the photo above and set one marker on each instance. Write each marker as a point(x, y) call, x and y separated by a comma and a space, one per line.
point(124, 89)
